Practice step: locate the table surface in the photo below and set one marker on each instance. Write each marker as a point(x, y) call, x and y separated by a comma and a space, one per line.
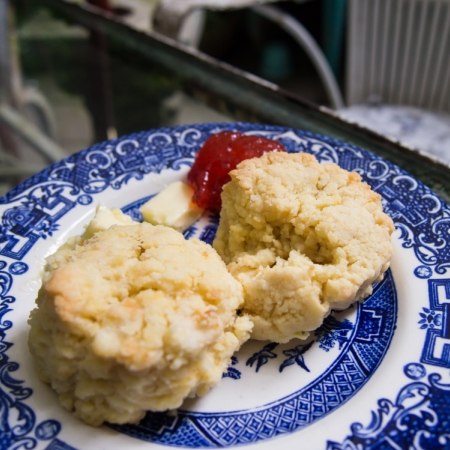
point(83, 75)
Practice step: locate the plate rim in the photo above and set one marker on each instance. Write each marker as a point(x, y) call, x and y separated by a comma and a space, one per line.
point(36, 179)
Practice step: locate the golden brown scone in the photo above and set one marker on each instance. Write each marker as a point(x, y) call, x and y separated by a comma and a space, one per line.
point(135, 318)
point(302, 238)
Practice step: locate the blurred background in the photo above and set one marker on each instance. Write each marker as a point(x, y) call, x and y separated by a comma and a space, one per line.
point(384, 64)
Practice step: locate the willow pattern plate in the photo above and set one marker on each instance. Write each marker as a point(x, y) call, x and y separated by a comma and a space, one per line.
point(373, 377)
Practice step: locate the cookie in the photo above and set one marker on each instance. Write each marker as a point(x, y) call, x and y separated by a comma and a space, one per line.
point(302, 238)
point(135, 318)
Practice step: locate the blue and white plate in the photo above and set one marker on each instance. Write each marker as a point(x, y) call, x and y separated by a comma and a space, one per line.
point(373, 377)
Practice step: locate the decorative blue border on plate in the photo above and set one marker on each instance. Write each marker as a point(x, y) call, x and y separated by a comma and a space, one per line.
point(417, 419)
point(34, 209)
point(436, 321)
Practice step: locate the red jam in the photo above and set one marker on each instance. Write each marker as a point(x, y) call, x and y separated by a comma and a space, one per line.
point(220, 154)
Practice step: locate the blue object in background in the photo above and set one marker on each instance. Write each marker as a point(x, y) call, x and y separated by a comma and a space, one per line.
point(334, 13)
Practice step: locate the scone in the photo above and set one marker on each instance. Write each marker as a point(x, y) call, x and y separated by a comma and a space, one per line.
point(302, 238)
point(135, 318)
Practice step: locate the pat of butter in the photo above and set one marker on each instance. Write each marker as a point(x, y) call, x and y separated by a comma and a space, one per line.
point(172, 207)
point(105, 218)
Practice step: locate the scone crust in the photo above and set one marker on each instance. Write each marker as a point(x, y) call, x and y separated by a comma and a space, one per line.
point(302, 238)
point(135, 318)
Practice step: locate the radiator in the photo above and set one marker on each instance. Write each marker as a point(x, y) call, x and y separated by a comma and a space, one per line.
point(398, 52)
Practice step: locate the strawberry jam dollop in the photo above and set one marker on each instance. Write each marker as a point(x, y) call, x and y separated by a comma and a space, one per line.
point(220, 154)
